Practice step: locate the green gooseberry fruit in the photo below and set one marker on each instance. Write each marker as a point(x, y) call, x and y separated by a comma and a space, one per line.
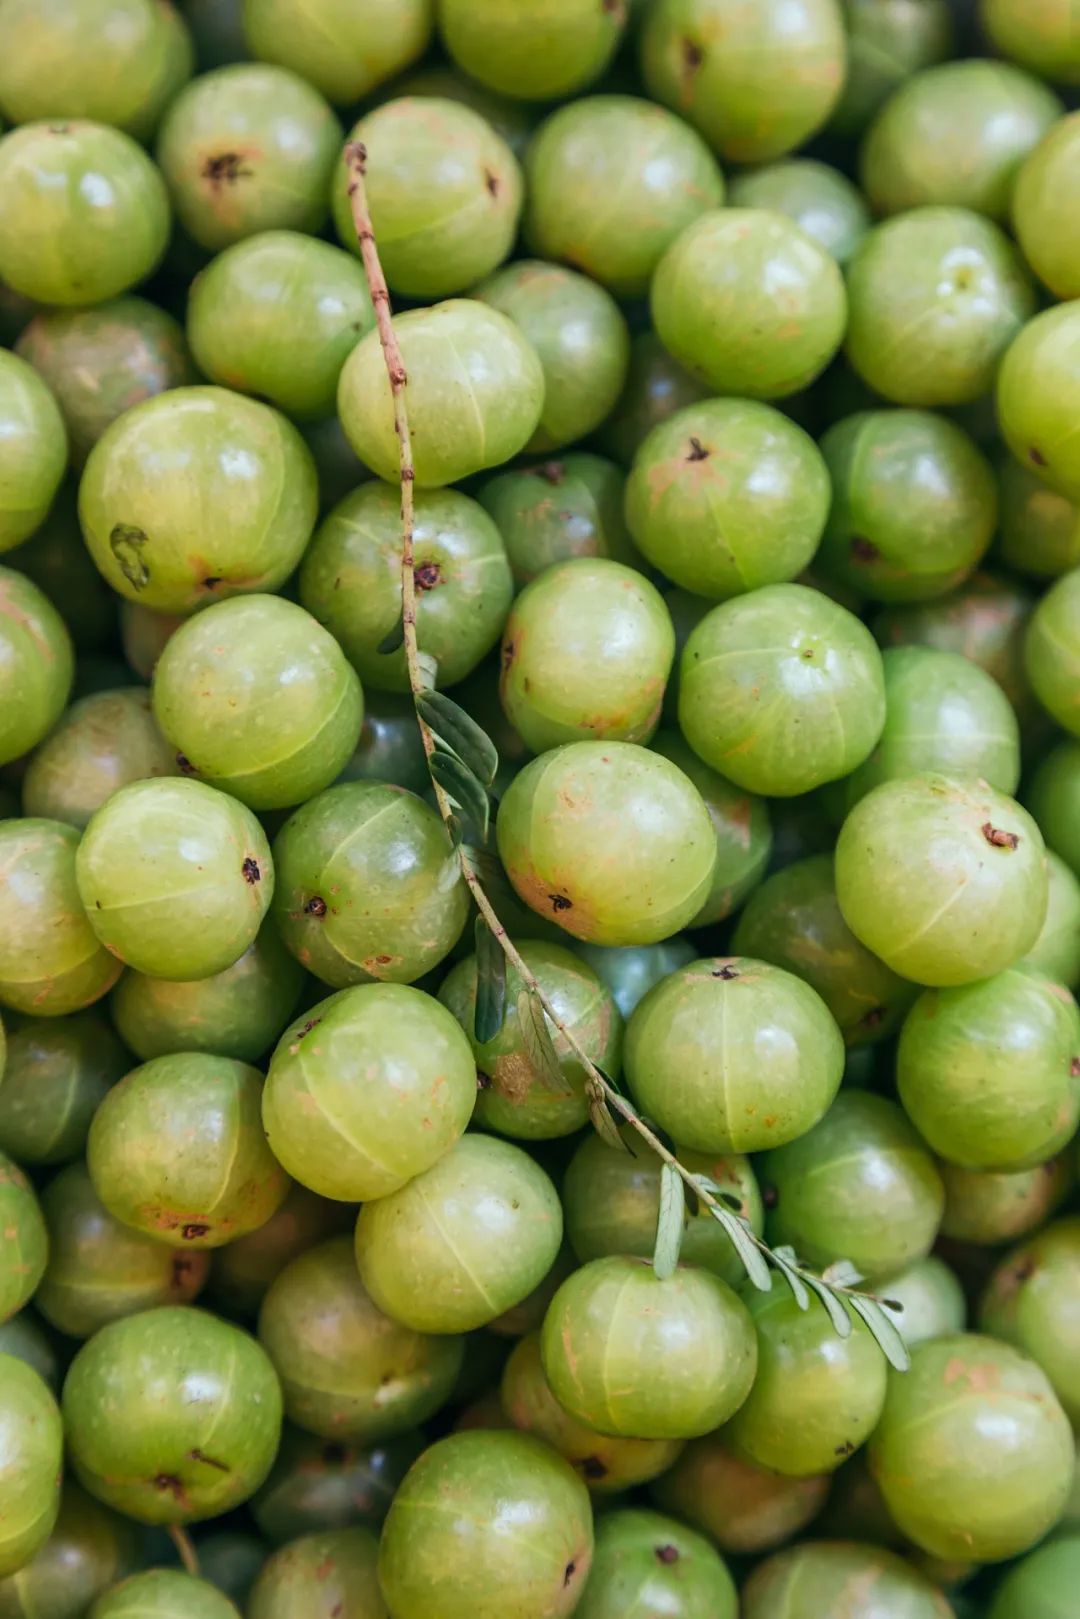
point(175, 877)
point(37, 665)
point(197, 494)
point(564, 508)
point(713, 310)
point(781, 690)
point(318, 1576)
point(1039, 529)
point(990, 1071)
point(794, 921)
point(57, 561)
point(888, 40)
point(741, 822)
point(24, 1239)
point(444, 191)
point(50, 959)
point(821, 200)
point(117, 61)
point(231, 1560)
point(462, 1242)
point(607, 1463)
point(655, 173)
point(1037, 389)
point(78, 182)
point(860, 1185)
point(100, 1269)
point(727, 495)
point(143, 635)
point(159, 1593)
point(613, 1323)
point(35, 449)
point(973, 1454)
point(177, 1150)
point(816, 1397)
point(1030, 1302)
point(476, 393)
point(995, 1206)
point(337, 466)
point(956, 135)
point(586, 654)
point(536, 50)
point(90, 1548)
point(1043, 1585)
point(347, 1371)
point(57, 1072)
point(1053, 796)
point(486, 1524)
point(1052, 651)
point(936, 296)
point(944, 880)
point(102, 743)
point(368, 1090)
point(1039, 34)
point(655, 1568)
point(276, 315)
point(101, 361)
point(693, 1055)
point(656, 387)
point(368, 886)
point(743, 1508)
point(611, 1204)
point(513, 1098)
point(243, 1271)
point(390, 748)
point(609, 840)
point(1056, 952)
point(818, 1577)
point(319, 1484)
point(632, 970)
point(136, 1429)
point(925, 1301)
point(580, 336)
point(247, 148)
point(983, 620)
point(756, 77)
point(259, 700)
point(486, 1352)
point(513, 120)
point(914, 505)
point(31, 1451)
point(350, 581)
point(343, 48)
point(24, 1337)
point(238, 1013)
point(1043, 204)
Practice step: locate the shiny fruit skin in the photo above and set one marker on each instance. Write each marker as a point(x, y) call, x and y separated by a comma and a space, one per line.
point(1030, 1302)
point(37, 665)
point(740, 821)
point(35, 449)
point(24, 1239)
point(539, 51)
point(345, 50)
point(31, 1453)
point(568, 506)
point(318, 1576)
point(56, 1074)
point(160, 1592)
point(995, 1206)
point(1043, 206)
point(820, 199)
point(656, 1568)
point(811, 1579)
point(931, 1299)
point(1040, 529)
point(1052, 651)
point(743, 1508)
point(1053, 796)
point(1038, 386)
point(90, 1548)
point(102, 743)
point(317, 1485)
point(51, 961)
point(887, 41)
point(1042, 1585)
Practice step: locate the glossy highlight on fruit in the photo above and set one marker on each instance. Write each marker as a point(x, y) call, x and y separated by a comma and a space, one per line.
point(537, 50)
point(31, 1452)
point(159, 1590)
point(651, 1565)
point(810, 1578)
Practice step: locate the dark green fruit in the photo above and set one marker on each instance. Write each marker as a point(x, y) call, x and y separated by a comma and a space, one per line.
point(57, 1072)
point(742, 1508)
point(231, 1559)
point(537, 50)
point(693, 1059)
point(983, 620)
point(887, 41)
point(319, 1577)
point(368, 885)
point(655, 1568)
point(1040, 529)
point(990, 1071)
point(343, 48)
point(513, 1098)
point(100, 1269)
point(1042, 209)
point(1053, 796)
point(794, 921)
point(973, 1455)
point(1043, 1585)
point(569, 507)
point(988, 1206)
point(818, 1577)
point(821, 200)
point(612, 1323)
point(816, 1397)
point(1031, 1302)
point(464, 1241)
point(1052, 652)
point(31, 1451)
point(1036, 396)
point(90, 1548)
point(486, 1524)
point(390, 748)
point(24, 1240)
point(611, 841)
point(925, 1301)
point(24, 1337)
point(144, 1397)
point(913, 505)
point(860, 1185)
point(175, 877)
point(656, 387)
point(368, 1090)
point(101, 744)
point(741, 823)
point(245, 1268)
point(319, 1484)
point(36, 665)
point(944, 880)
point(35, 450)
point(347, 1371)
point(57, 561)
point(631, 971)
point(50, 959)
point(351, 582)
point(248, 148)
point(727, 495)
point(161, 1592)
point(486, 1351)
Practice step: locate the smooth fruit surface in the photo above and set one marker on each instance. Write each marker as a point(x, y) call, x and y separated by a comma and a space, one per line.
point(810, 1578)
point(743, 1508)
point(649, 1564)
point(317, 1574)
point(1037, 387)
point(996, 1206)
point(1044, 188)
point(344, 49)
point(740, 821)
point(31, 1451)
point(887, 41)
point(35, 449)
point(1031, 1300)
point(1052, 651)
point(51, 961)
point(89, 1549)
point(537, 51)
point(24, 1239)
point(571, 506)
point(36, 665)
point(56, 1073)
point(822, 201)
point(102, 743)
point(157, 1591)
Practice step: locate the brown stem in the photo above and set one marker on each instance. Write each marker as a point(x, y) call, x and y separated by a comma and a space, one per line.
point(186, 1550)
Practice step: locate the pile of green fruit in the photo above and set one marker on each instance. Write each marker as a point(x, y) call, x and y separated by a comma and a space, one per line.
point(539, 809)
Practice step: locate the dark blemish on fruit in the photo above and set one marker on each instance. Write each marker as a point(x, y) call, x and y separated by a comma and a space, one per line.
point(864, 550)
point(698, 452)
point(692, 55)
point(126, 543)
point(726, 971)
point(333, 1455)
point(225, 169)
point(316, 906)
point(568, 1573)
point(1037, 456)
point(184, 765)
point(97, 902)
point(667, 1554)
point(209, 1461)
point(190, 1232)
point(427, 575)
point(59, 129)
point(312, 1023)
point(181, 1270)
point(551, 471)
point(808, 652)
point(770, 1197)
point(508, 654)
point(1025, 1270)
point(871, 1019)
point(336, 1611)
point(1074, 1068)
point(169, 1482)
point(212, 580)
point(491, 181)
point(559, 902)
point(846, 1449)
point(483, 1081)
point(251, 871)
point(592, 1467)
point(997, 838)
point(384, 961)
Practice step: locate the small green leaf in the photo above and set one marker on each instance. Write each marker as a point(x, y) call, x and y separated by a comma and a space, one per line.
point(785, 1262)
point(459, 733)
point(429, 670)
point(536, 1038)
point(670, 1223)
point(745, 1246)
point(842, 1274)
point(490, 1012)
point(728, 1199)
point(603, 1122)
point(463, 790)
point(394, 639)
point(885, 1331)
point(834, 1305)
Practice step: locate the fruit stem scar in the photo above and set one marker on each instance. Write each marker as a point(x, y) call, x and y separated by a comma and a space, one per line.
point(998, 838)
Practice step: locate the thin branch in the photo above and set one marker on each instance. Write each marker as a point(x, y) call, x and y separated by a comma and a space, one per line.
point(185, 1549)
